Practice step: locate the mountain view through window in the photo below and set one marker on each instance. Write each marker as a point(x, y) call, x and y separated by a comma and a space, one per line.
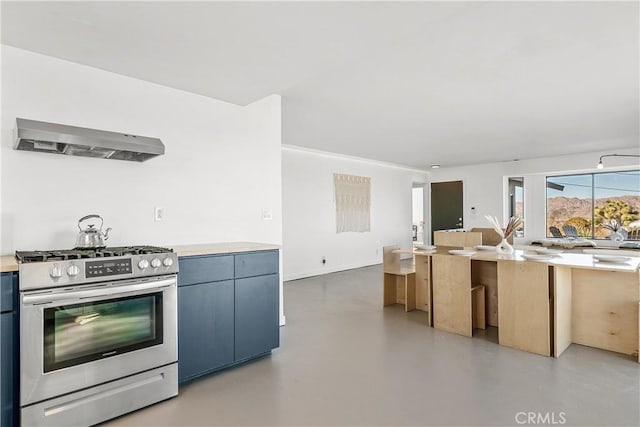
point(590, 205)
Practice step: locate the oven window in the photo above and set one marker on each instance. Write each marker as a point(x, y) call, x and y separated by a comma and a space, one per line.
point(80, 333)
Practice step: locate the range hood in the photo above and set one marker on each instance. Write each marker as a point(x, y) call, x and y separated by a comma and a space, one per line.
point(55, 138)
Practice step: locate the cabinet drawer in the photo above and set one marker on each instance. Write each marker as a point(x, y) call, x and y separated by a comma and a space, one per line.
point(7, 284)
point(256, 264)
point(201, 269)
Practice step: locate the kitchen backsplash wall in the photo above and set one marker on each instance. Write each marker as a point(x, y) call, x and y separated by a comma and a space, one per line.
point(221, 170)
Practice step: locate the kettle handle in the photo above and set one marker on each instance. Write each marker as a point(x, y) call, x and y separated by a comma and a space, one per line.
point(90, 216)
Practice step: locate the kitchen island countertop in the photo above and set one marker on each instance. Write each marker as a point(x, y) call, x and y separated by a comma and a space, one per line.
point(584, 261)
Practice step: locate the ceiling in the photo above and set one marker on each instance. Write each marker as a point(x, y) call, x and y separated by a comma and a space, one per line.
point(412, 83)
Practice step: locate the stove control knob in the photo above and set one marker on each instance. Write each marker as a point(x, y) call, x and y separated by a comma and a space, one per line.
point(155, 263)
point(55, 272)
point(73, 270)
point(142, 264)
point(167, 262)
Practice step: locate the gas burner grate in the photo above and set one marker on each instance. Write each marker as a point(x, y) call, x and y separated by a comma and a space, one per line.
point(68, 254)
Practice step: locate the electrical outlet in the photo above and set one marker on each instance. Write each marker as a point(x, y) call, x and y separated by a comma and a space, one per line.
point(158, 213)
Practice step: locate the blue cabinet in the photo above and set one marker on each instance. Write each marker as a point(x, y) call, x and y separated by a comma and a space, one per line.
point(8, 349)
point(8, 287)
point(6, 368)
point(228, 310)
point(205, 328)
point(257, 316)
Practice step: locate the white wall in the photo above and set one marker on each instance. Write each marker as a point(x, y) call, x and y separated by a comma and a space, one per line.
point(221, 168)
point(485, 185)
point(309, 231)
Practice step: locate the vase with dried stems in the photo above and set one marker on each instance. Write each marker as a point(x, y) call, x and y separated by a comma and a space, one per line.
point(616, 228)
point(504, 248)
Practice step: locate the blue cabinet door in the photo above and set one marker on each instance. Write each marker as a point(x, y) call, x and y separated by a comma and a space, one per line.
point(205, 328)
point(7, 371)
point(256, 315)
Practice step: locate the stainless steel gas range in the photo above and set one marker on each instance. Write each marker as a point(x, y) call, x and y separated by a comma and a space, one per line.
point(98, 333)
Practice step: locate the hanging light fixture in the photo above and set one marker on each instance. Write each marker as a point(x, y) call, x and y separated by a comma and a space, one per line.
point(601, 165)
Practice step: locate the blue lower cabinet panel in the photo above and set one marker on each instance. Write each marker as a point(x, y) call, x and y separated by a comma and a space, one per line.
point(205, 328)
point(7, 371)
point(8, 288)
point(257, 320)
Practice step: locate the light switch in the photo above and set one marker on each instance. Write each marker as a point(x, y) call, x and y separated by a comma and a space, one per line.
point(267, 215)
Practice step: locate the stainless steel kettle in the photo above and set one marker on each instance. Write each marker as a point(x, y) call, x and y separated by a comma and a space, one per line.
point(91, 237)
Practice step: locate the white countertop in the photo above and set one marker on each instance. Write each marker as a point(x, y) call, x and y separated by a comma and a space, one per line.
point(221, 248)
point(564, 259)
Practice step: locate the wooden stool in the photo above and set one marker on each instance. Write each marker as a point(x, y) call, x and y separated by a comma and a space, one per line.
point(399, 282)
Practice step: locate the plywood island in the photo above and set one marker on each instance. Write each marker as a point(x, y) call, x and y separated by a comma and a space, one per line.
point(538, 306)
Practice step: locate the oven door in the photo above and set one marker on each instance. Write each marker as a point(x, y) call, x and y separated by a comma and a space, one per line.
point(80, 337)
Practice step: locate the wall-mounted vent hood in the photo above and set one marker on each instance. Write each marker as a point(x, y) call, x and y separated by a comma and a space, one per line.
point(62, 139)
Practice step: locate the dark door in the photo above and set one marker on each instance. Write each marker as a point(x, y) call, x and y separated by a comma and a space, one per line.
point(446, 206)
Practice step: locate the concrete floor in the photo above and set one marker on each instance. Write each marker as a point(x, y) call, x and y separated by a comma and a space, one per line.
point(344, 360)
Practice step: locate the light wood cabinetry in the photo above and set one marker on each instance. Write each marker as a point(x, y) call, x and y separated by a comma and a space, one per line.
point(423, 285)
point(524, 318)
point(458, 303)
point(539, 307)
point(486, 273)
point(604, 310)
point(457, 238)
point(452, 294)
point(562, 309)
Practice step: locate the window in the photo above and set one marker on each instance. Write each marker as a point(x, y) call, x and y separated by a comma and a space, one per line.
point(582, 205)
point(516, 202)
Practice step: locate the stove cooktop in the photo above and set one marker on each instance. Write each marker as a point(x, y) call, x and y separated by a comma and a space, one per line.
point(71, 254)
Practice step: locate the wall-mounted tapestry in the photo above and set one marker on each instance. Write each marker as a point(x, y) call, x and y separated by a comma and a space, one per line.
point(353, 202)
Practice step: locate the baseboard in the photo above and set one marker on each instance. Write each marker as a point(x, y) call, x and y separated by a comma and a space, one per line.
point(327, 270)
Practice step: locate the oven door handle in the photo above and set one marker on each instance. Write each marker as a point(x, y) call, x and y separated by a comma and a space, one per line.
point(114, 291)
